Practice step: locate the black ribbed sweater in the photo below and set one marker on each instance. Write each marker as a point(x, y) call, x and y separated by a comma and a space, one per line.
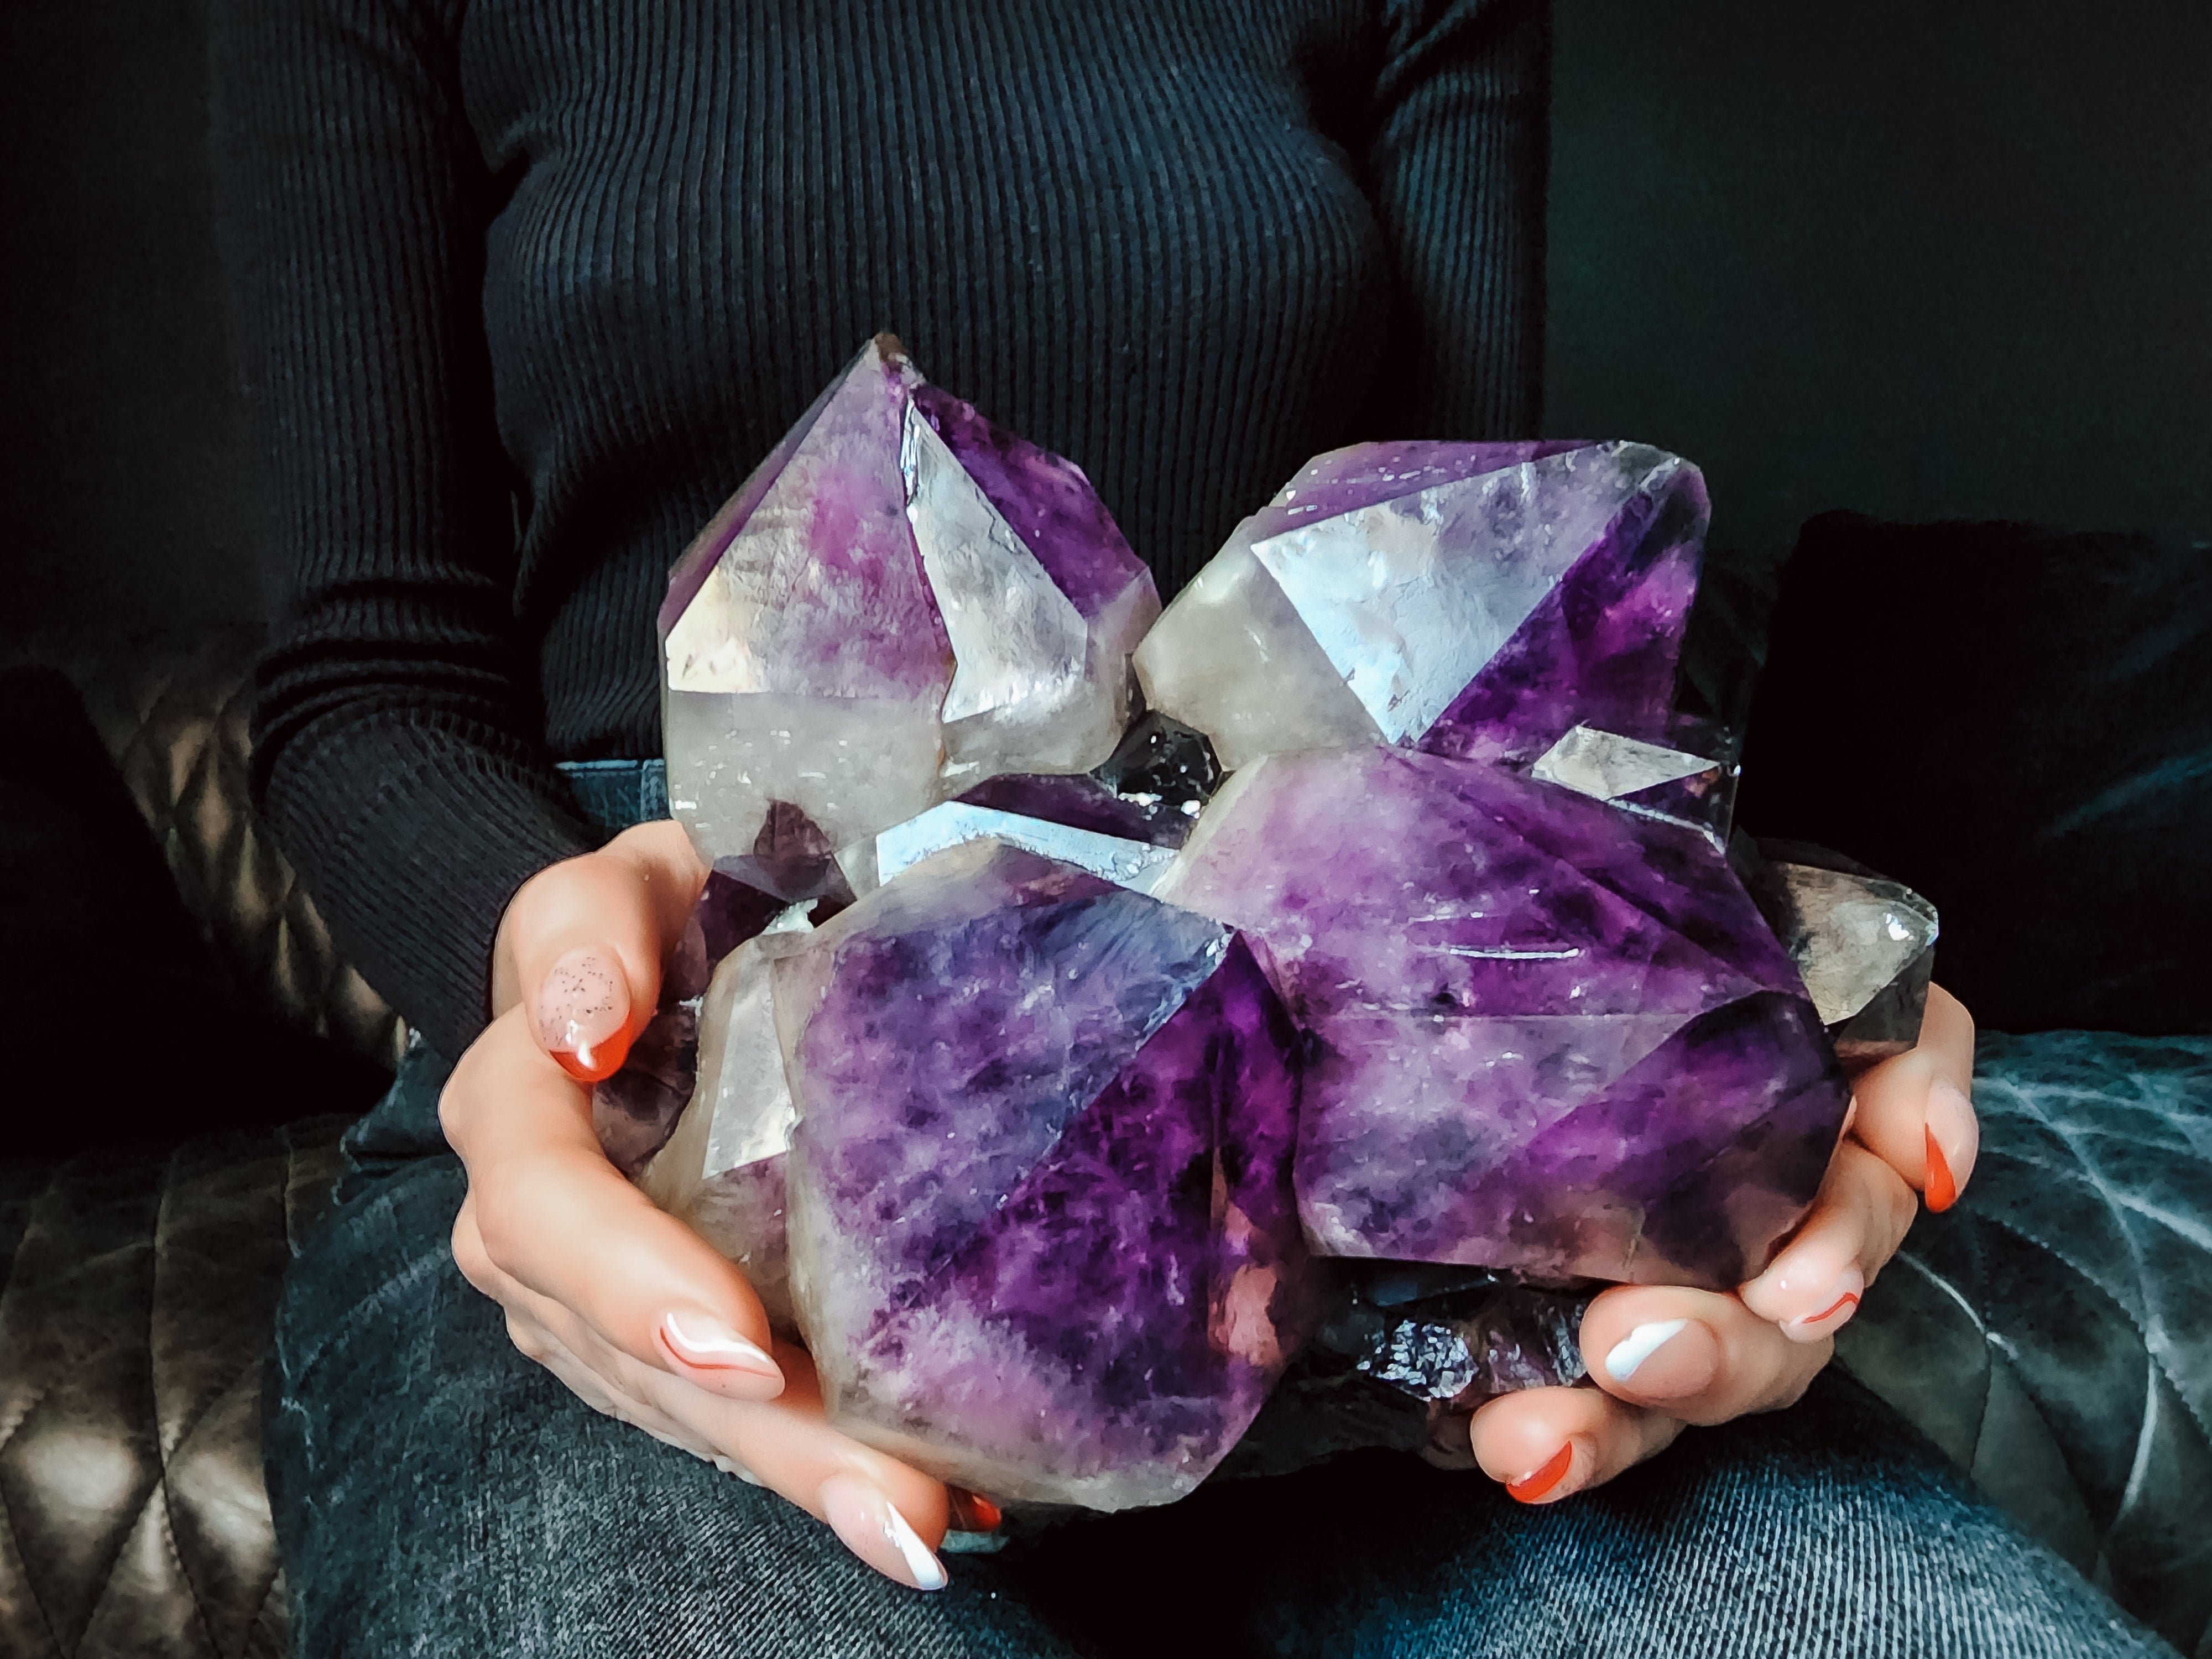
point(521, 289)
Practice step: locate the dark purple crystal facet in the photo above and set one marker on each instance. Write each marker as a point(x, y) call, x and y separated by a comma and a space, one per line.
point(1549, 1035)
point(1043, 1238)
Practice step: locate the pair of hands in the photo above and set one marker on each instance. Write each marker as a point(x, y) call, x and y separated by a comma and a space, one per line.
point(644, 1322)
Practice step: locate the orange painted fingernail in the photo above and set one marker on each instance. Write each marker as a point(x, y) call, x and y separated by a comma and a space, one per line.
point(594, 1064)
point(583, 1015)
point(973, 1512)
point(1943, 1190)
point(1537, 1484)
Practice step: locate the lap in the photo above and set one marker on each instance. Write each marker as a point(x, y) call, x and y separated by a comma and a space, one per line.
point(437, 1493)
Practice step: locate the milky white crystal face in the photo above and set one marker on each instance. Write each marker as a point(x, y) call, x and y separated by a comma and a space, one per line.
point(1230, 658)
point(853, 766)
point(1604, 765)
point(1131, 864)
point(1410, 598)
point(722, 1171)
point(1023, 697)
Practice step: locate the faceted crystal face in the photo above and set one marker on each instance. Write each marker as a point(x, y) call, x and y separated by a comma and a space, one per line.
point(817, 591)
point(1476, 600)
point(1043, 1241)
point(1690, 779)
point(1865, 946)
point(722, 1171)
point(1606, 766)
point(901, 601)
point(1133, 864)
point(1549, 1035)
point(1075, 819)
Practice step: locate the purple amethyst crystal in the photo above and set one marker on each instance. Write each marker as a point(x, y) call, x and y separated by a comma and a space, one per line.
point(901, 601)
point(1549, 1035)
point(1477, 600)
point(1042, 1234)
point(634, 1111)
point(1078, 801)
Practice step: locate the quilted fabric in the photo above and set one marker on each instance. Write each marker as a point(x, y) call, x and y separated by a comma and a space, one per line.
point(137, 1297)
point(172, 711)
point(2053, 1332)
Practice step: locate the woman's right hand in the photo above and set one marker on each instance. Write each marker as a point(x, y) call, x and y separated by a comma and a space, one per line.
point(624, 1303)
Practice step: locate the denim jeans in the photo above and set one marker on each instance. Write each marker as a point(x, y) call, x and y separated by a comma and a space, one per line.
point(437, 1493)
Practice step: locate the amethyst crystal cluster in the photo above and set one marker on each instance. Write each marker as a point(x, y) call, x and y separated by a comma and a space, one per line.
point(1067, 1072)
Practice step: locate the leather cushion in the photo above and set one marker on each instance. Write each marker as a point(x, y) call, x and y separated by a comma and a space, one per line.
point(2053, 1332)
point(137, 1293)
point(172, 712)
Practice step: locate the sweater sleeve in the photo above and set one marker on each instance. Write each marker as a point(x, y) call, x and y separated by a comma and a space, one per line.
point(398, 752)
point(1457, 160)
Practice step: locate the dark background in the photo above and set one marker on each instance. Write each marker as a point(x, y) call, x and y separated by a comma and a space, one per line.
point(1923, 260)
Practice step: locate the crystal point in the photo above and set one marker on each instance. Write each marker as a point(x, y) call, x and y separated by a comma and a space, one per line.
point(1043, 1238)
point(1548, 1034)
point(901, 601)
point(1865, 946)
point(1476, 600)
point(1690, 779)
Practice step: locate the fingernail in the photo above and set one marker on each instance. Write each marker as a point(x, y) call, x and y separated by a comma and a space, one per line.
point(1840, 1301)
point(973, 1512)
point(1665, 1359)
point(583, 1014)
point(859, 1514)
point(1954, 1139)
point(705, 1344)
point(1538, 1483)
point(1942, 1188)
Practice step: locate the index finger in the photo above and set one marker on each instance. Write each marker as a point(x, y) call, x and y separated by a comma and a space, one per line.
point(554, 1215)
point(582, 943)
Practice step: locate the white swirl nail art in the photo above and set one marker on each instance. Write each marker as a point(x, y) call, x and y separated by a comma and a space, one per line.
point(1628, 1355)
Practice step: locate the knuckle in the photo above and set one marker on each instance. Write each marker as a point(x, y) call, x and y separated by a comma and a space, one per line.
point(548, 884)
point(1806, 1363)
point(468, 1253)
point(528, 1338)
point(503, 1239)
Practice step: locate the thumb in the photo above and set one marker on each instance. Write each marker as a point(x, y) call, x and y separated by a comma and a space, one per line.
point(582, 943)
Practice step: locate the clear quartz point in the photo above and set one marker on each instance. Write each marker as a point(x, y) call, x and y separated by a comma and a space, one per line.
point(1864, 945)
point(1604, 765)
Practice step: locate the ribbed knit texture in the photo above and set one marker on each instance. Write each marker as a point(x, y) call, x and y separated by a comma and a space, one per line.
point(522, 288)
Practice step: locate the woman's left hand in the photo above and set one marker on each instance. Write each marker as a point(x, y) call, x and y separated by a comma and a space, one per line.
point(1664, 1357)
